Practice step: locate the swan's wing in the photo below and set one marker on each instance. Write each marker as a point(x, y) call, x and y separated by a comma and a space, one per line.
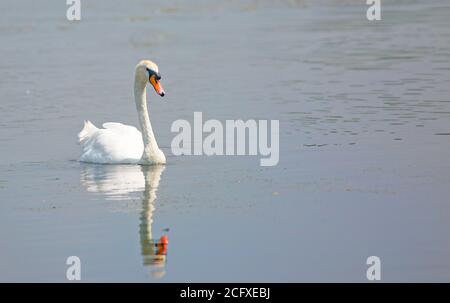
point(116, 126)
point(115, 143)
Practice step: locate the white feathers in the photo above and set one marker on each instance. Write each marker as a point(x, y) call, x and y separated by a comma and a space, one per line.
point(115, 143)
point(87, 130)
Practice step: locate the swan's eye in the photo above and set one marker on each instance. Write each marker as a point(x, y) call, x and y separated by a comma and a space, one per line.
point(153, 73)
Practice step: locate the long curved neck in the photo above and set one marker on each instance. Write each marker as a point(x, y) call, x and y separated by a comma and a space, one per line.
point(150, 145)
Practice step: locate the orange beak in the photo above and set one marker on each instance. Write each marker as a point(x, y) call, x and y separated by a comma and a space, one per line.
point(162, 245)
point(157, 85)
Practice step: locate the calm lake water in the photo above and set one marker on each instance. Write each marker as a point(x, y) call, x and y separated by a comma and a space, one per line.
point(364, 110)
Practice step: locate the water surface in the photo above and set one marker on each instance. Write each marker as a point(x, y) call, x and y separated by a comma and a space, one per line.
point(364, 110)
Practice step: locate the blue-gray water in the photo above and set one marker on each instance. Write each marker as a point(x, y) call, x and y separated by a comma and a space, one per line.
point(364, 110)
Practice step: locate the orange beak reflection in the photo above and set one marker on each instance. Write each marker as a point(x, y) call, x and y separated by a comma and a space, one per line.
point(157, 85)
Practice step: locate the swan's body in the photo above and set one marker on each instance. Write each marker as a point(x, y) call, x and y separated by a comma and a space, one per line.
point(114, 143)
point(117, 143)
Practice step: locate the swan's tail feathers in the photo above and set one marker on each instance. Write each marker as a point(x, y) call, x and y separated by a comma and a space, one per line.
point(86, 132)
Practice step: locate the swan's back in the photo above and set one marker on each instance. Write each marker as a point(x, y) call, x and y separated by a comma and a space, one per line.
point(114, 143)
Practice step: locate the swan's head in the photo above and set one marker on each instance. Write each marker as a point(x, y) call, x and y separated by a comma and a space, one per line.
point(147, 70)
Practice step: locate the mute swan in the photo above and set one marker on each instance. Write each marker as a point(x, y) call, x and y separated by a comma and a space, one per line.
point(117, 143)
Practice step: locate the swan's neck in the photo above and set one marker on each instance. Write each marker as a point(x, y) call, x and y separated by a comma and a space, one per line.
point(150, 145)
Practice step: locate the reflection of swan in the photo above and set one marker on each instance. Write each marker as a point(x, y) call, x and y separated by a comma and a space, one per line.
point(117, 182)
point(120, 182)
point(154, 252)
point(119, 143)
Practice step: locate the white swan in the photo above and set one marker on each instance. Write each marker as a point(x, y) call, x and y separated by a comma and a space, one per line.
point(117, 143)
